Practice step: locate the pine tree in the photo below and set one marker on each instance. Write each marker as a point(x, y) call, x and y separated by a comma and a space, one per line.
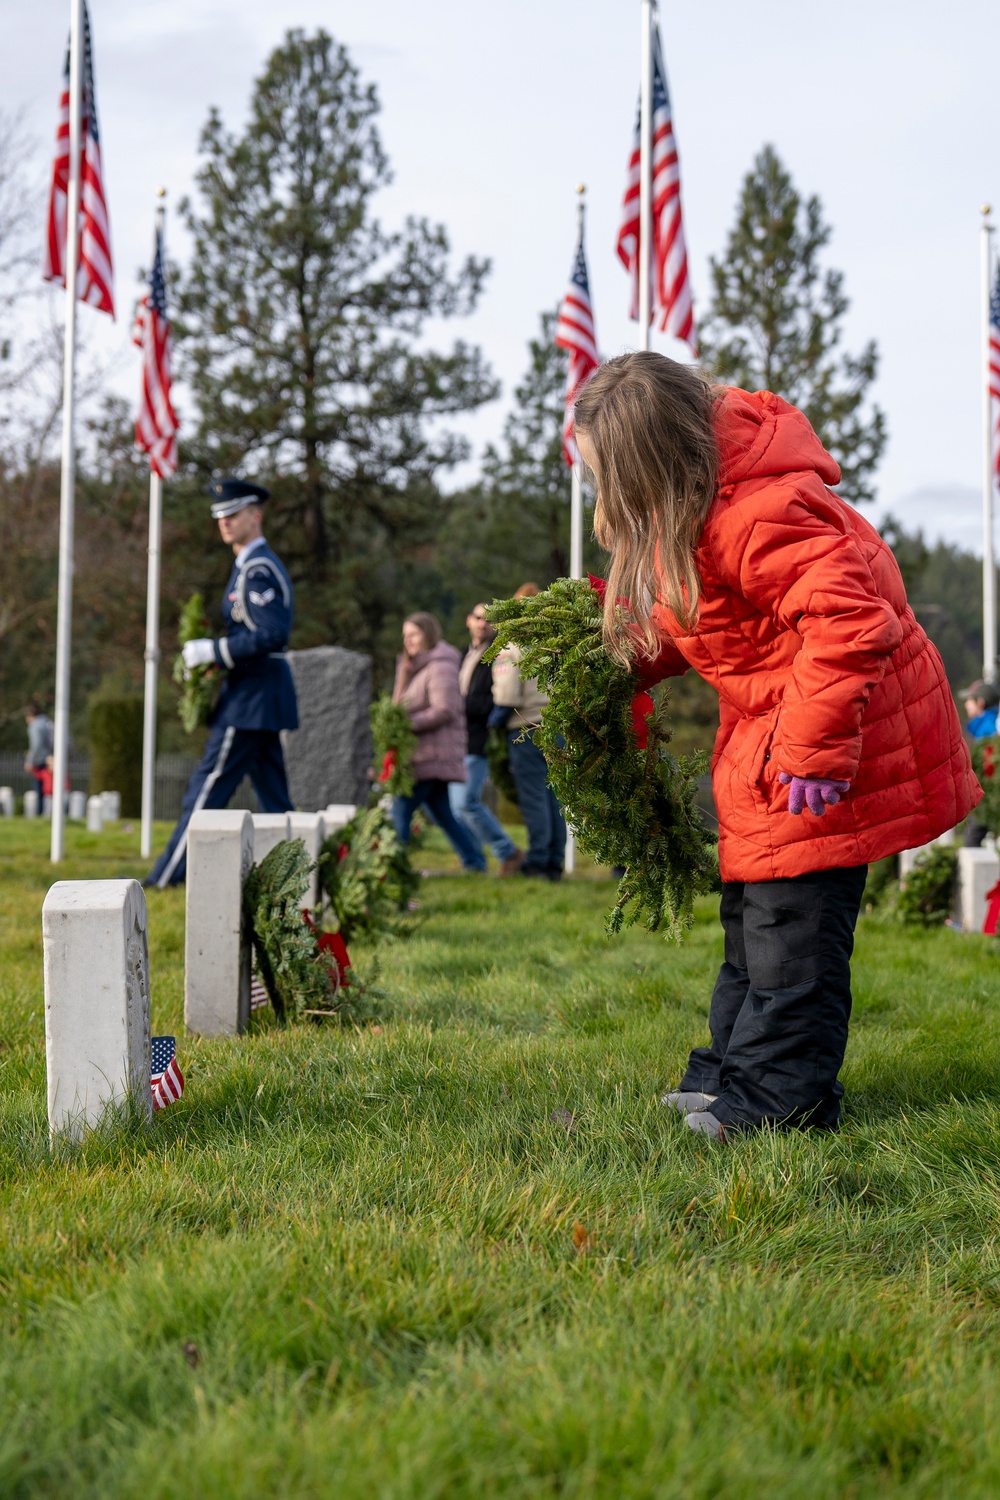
point(775, 321)
point(298, 328)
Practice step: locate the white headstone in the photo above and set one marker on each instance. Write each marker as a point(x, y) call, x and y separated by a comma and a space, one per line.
point(96, 1001)
point(339, 813)
point(6, 801)
point(78, 805)
point(95, 814)
point(111, 806)
point(311, 829)
point(31, 804)
point(268, 829)
point(978, 872)
point(46, 807)
point(217, 949)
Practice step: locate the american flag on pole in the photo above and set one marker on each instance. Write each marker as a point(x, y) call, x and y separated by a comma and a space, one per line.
point(671, 305)
point(156, 425)
point(575, 332)
point(95, 273)
point(995, 369)
point(166, 1079)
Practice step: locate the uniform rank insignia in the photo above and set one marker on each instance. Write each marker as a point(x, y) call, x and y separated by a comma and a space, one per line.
point(264, 598)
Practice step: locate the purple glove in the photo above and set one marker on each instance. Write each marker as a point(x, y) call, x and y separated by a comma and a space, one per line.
point(814, 792)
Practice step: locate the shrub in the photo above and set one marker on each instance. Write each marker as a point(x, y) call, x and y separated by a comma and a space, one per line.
point(114, 734)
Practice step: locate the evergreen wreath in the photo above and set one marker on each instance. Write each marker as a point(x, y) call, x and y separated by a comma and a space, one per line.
point(393, 741)
point(986, 764)
point(629, 805)
point(368, 877)
point(295, 973)
point(199, 685)
point(926, 895)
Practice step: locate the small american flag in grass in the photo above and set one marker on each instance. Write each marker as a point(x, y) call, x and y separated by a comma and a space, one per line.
point(166, 1078)
point(258, 994)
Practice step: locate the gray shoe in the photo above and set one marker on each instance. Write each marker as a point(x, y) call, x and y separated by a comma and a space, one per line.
point(703, 1122)
point(686, 1103)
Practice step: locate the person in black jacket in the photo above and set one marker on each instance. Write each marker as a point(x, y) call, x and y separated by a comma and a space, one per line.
point(476, 682)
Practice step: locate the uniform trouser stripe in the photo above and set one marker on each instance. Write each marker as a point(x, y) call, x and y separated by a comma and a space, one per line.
point(200, 800)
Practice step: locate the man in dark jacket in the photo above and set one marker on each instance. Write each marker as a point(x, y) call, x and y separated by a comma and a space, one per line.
point(257, 698)
point(475, 679)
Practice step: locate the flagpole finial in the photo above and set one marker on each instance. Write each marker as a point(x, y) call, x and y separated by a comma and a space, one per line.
point(580, 189)
point(161, 192)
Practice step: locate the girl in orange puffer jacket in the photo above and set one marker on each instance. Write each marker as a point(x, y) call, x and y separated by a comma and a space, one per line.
point(838, 744)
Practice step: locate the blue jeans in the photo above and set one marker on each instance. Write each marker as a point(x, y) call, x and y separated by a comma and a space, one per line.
point(539, 808)
point(433, 795)
point(466, 804)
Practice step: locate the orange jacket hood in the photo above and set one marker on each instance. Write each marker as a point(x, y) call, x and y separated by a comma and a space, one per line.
point(760, 436)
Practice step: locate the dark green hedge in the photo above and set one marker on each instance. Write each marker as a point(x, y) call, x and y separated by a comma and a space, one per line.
point(114, 733)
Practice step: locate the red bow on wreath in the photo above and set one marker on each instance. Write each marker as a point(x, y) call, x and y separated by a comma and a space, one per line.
point(388, 765)
point(331, 943)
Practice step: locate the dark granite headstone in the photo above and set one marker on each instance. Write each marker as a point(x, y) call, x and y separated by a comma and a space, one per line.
point(329, 754)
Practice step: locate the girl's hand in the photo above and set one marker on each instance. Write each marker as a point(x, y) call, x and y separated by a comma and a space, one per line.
point(814, 792)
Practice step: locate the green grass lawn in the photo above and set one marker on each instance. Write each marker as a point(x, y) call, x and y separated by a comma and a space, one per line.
point(469, 1254)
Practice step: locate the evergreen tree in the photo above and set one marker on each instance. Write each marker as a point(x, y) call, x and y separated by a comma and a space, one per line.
point(774, 321)
point(514, 525)
point(298, 327)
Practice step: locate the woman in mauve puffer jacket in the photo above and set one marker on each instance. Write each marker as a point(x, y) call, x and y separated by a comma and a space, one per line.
point(839, 743)
point(427, 687)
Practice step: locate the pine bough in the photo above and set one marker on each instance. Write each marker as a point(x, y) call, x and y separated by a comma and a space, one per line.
point(628, 806)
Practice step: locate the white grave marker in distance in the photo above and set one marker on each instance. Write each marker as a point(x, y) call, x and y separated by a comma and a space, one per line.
point(216, 946)
point(269, 829)
point(311, 829)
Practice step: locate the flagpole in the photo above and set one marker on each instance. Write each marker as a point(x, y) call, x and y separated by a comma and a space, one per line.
point(151, 655)
point(645, 169)
point(67, 491)
point(989, 554)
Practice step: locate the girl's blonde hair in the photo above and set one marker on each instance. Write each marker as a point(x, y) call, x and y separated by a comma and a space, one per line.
point(649, 421)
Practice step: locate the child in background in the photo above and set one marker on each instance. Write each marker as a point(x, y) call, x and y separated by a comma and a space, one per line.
point(838, 744)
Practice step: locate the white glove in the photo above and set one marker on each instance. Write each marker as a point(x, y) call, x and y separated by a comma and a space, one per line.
point(198, 654)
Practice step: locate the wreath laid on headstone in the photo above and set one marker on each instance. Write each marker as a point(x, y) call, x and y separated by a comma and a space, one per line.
point(199, 685)
point(986, 764)
point(368, 877)
point(629, 800)
point(394, 741)
point(303, 970)
point(926, 895)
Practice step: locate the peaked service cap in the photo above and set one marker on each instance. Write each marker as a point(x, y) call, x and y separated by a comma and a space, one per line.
point(230, 495)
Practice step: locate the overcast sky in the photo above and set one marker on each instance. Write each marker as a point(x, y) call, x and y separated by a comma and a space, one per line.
point(492, 114)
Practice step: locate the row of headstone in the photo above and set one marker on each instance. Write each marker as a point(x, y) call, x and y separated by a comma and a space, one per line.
point(96, 963)
point(978, 873)
point(106, 808)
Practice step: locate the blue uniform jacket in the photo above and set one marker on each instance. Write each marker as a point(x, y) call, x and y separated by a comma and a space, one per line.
point(258, 691)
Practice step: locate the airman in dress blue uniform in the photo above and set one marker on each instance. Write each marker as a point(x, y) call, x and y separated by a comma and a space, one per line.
point(257, 698)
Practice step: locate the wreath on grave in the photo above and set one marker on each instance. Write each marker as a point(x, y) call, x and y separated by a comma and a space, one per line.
point(986, 764)
point(368, 877)
point(630, 801)
point(304, 971)
point(199, 685)
point(926, 895)
point(394, 741)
